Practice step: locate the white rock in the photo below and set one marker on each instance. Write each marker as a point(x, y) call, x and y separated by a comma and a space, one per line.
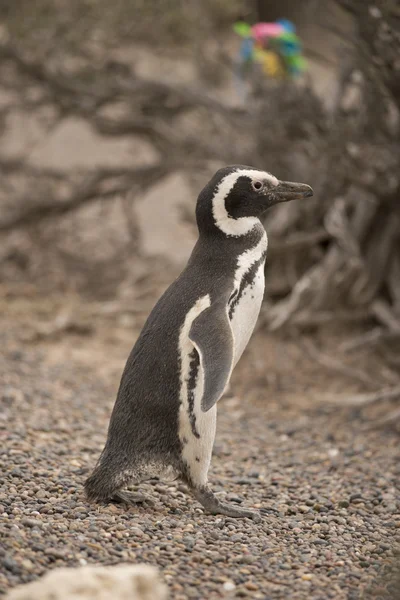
point(352, 98)
point(160, 220)
point(22, 133)
point(229, 586)
point(74, 143)
point(375, 12)
point(120, 582)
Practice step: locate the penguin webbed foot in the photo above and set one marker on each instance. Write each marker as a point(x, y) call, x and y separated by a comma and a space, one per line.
point(229, 510)
point(130, 498)
point(212, 505)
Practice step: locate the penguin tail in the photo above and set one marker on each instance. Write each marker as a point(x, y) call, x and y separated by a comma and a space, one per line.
point(102, 483)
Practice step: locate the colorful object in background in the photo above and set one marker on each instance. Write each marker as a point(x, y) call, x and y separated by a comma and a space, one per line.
point(273, 45)
point(270, 62)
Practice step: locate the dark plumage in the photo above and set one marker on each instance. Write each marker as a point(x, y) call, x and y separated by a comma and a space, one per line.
point(164, 415)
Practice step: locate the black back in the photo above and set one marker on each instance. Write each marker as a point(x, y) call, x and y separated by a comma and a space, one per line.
point(144, 421)
point(145, 415)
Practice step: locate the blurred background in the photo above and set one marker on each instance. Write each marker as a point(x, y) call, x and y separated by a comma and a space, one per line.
point(113, 116)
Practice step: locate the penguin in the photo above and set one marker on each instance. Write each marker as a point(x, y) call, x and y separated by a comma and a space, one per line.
point(164, 418)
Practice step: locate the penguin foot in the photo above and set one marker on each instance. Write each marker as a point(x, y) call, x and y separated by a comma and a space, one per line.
point(232, 511)
point(130, 498)
point(212, 505)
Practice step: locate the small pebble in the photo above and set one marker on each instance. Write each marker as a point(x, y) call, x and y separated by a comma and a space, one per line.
point(329, 521)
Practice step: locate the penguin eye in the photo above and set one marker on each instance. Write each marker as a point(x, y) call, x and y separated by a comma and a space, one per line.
point(257, 185)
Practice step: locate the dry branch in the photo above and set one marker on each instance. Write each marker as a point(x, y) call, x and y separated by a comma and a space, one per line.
point(383, 313)
point(389, 419)
point(361, 400)
point(71, 93)
point(105, 183)
point(299, 240)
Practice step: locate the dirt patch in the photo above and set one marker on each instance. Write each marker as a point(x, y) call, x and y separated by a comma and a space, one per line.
point(325, 484)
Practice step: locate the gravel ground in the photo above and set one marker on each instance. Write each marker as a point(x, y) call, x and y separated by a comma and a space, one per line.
point(326, 486)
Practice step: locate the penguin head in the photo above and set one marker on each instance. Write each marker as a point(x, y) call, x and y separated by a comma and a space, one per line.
point(237, 196)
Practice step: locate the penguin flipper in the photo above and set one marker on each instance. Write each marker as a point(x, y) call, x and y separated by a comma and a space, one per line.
point(211, 335)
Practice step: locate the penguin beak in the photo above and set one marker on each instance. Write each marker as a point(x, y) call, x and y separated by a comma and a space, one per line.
point(286, 190)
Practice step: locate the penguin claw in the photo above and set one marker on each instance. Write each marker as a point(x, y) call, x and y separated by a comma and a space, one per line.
point(255, 515)
point(229, 510)
point(213, 506)
point(232, 511)
point(130, 498)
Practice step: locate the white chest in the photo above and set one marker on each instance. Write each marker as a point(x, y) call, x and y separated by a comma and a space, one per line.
point(246, 312)
point(247, 296)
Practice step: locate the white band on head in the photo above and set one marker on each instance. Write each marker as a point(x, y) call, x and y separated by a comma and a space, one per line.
point(223, 221)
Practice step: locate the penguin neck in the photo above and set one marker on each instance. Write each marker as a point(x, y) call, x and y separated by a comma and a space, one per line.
point(234, 244)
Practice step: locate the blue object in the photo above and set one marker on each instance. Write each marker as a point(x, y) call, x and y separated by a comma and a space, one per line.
point(289, 47)
point(287, 25)
point(246, 49)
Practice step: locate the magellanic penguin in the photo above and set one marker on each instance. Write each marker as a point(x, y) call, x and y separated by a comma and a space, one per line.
point(164, 418)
